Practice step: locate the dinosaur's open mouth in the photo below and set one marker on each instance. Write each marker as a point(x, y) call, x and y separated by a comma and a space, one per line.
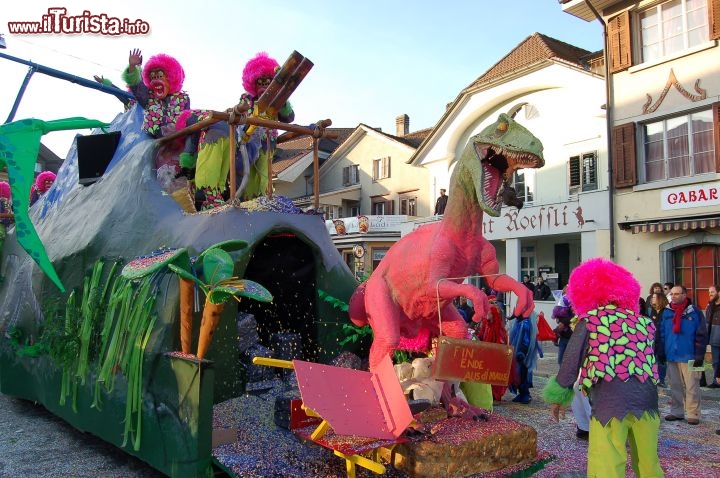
point(498, 165)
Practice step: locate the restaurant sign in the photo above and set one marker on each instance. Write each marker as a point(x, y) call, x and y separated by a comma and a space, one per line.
point(364, 224)
point(696, 195)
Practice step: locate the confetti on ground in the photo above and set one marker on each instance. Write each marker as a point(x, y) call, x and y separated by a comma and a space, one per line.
point(265, 450)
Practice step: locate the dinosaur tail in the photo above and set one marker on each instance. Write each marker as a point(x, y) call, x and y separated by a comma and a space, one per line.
point(356, 307)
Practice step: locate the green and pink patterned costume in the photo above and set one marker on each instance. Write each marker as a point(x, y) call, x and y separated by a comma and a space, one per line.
point(619, 346)
point(613, 349)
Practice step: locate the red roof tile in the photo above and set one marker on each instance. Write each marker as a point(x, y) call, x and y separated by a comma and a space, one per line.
point(534, 49)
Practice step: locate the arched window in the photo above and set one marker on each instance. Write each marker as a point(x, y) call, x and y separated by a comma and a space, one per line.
point(697, 267)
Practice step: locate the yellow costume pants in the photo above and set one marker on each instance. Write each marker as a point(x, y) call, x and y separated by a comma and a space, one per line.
point(607, 455)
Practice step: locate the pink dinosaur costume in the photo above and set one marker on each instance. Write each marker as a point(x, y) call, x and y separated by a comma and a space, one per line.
point(404, 293)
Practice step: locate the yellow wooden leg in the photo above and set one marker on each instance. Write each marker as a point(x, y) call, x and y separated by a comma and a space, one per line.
point(350, 469)
point(362, 461)
point(320, 430)
point(271, 362)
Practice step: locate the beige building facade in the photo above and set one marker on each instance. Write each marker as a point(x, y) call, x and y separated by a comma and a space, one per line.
point(555, 90)
point(664, 113)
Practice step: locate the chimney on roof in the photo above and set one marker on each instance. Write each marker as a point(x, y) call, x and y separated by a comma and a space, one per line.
point(402, 125)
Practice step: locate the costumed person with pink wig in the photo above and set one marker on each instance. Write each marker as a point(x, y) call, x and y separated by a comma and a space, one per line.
point(158, 89)
point(613, 348)
point(257, 76)
point(43, 182)
point(6, 218)
point(206, 157)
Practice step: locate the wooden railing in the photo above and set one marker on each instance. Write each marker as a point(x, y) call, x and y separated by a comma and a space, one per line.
point(237, 115)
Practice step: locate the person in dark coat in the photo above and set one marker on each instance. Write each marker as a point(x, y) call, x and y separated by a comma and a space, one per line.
point(441, 203)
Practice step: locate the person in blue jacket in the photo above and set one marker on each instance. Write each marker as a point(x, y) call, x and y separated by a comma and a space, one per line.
point(523, 338)
point(681, 341)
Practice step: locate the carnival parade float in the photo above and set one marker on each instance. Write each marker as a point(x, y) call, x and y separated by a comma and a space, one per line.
point(135, 312)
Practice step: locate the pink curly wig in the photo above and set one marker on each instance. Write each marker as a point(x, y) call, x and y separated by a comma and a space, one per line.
point(5, 190)
point(173, 71)
point(41, 178)
point(597, 282)
point(260, 66)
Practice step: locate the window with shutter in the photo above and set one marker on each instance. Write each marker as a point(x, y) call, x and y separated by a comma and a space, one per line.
point(574, 175)
point(378, 207)
point(679, 146)
point(624, 167)
point(582, 173)
point(351, 175)
point(714, 18)
point(589, 171)
point(619, 44)
point(381, 168)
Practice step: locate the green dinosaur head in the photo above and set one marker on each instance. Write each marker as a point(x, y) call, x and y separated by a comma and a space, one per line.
point(489, 160)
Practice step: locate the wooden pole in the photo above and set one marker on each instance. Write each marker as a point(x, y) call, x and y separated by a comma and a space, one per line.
point(191, 129)
point(316, 174)
point(233, 180)
point(322, 124)
point(216, 116)
point(269, 167)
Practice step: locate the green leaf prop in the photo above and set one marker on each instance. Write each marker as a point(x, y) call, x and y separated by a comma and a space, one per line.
point(218, 266)
point(239, 288)
point(148, 264)
point(19, 146)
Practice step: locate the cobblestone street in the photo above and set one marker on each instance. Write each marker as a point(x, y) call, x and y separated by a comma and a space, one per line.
point(35, 443)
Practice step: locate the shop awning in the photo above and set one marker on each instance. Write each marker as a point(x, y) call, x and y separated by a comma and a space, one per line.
point(673, 224)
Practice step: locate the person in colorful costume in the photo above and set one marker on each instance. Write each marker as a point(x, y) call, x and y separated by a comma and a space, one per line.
point(257, 76)
point(523, 338)
point(492, 330)
point(5, 208)
point(206, 159)
point(158, 90)
point(613, 348)
point(43, 182)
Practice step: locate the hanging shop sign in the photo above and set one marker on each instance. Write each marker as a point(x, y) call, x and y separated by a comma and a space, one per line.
point(358, 251)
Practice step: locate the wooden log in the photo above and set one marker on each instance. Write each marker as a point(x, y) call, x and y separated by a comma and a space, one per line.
point(289, 86)
point(269, 171)
point(316, 175)
point(279, 81)
point(187, 304)
point(191, 129)
point(233, 147)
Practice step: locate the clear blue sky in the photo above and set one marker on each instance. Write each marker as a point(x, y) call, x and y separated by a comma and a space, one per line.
point(374, 60)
